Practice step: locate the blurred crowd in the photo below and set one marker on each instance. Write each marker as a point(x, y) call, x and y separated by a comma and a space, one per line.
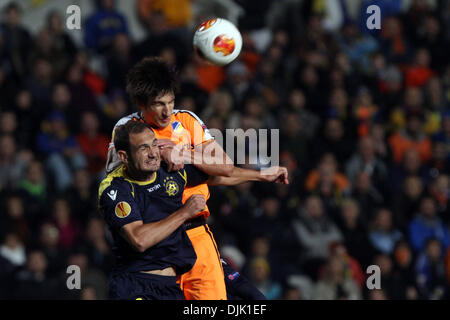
point(364, 120)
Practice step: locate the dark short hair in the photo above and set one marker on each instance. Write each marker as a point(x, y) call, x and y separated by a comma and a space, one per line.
point(122, 134)
point(150, 78)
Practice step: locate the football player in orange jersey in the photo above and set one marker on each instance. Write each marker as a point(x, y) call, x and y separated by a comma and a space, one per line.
point(151, 85)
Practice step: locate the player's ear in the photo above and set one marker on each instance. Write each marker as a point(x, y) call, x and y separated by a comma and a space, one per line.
point(123, 156)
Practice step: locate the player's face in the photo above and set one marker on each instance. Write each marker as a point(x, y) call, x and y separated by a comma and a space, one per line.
point(145, 157)
point(158, 112)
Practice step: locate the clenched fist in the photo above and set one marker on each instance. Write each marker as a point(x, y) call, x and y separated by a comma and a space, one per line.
point(196, 203)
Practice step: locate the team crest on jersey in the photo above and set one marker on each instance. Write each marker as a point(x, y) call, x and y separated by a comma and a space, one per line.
point(171, 186)
point(123, 209)
point(177, 127)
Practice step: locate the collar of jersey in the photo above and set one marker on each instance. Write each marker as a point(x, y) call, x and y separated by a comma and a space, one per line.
point(141, 183)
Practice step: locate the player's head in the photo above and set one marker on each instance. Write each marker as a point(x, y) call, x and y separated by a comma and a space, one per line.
point(136, 147)
point(152, 85)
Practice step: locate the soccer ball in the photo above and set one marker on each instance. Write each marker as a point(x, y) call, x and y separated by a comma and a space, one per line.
point(218, 41)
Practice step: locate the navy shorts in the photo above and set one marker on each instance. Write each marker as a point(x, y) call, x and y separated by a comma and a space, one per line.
point(238, 286)
point(143, 286)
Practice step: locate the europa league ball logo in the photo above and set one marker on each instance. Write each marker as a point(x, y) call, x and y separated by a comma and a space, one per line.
point(207, 24)
point(224, 45)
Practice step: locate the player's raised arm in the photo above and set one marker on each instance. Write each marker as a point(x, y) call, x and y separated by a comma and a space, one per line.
point(276, 174)
point(241, 175)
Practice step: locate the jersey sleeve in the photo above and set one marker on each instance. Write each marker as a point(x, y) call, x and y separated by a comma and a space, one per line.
point(118, 206)
point(194, 176)
point(198, 131)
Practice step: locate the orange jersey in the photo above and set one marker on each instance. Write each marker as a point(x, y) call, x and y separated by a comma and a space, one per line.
point(185, 129)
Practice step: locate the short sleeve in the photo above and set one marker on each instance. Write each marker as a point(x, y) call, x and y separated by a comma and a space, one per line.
point(118, 206)
point(198, 131)
point(194, 176)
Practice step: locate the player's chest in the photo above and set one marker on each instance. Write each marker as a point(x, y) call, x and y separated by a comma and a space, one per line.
point(176, 133)
point(159, 199)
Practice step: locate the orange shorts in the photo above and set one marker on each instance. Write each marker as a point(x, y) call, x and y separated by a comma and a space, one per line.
point(205, 281)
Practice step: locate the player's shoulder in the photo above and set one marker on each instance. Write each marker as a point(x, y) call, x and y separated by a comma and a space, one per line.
point(114, 182)
point(136, 116)
point(186, 115)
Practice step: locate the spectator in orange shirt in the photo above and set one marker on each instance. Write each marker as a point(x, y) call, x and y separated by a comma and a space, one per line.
point(412, 137)
point(326, 175)
point(93, 144)
point(328, 183)
point(418, 74)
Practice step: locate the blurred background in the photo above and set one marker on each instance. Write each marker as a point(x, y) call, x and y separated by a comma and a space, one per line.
point(364, 120)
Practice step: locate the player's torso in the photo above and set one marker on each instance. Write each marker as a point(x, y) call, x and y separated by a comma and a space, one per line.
point(177, 133)
point(161, 197)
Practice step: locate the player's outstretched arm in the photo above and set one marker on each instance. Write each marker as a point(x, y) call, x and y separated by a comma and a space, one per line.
point(208, 157)
point(240, 175)
point(145, 235)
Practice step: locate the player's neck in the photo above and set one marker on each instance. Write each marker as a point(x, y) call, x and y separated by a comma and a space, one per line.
point(139, 176)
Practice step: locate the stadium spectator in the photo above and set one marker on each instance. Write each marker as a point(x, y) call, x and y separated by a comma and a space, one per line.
point(367, 195)
point(326, 181)
point(12, 162)
point(97, 247)
point(91, 276)
point(260, 275)
point(34, 191)
point(334, 140)
point(315, 232)
point(103, 25)
point(49, 238)
point(93, 144)
point(366, 160)
point(427, 224)
point(68, 226)
point(34, 282)
point(13, 250)
point(404, 272)
point(411, 137)
point(383, 235)
point(406, 202)
point(15, 219)
point(336, 283)
point(61, 150)
point(118, 61)
point(430, 269)
point(309, 122)
point(16, 39)
point(353, 224)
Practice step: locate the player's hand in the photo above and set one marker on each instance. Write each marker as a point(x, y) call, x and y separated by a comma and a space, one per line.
point(170, 154)
point(275, 174)
point(165, 143)
point(196, 203)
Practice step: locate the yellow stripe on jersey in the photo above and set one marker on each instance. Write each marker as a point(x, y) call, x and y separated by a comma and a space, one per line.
point(184, 176)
